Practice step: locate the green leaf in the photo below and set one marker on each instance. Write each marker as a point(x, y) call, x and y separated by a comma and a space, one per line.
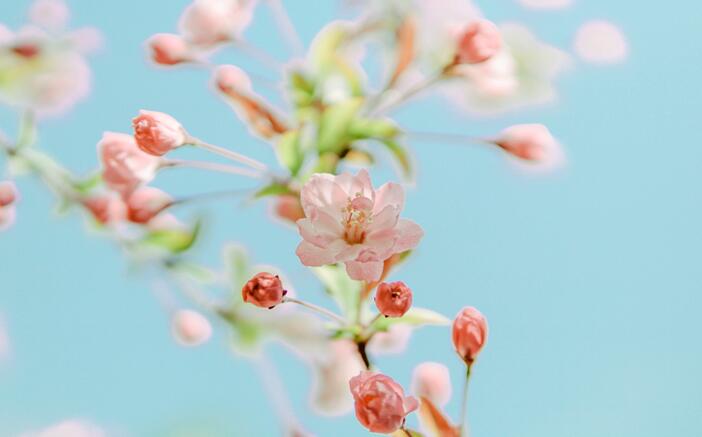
point(344, 290)
point(402, 157)
point(173, 240)
point(289, 152)
point(334, 125)
point(302, 89)
point(414, 317)
point(362, 128)
point(272, 189)
point(85, 186)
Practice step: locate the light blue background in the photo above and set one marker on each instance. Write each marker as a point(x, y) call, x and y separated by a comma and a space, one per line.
point(590, 279)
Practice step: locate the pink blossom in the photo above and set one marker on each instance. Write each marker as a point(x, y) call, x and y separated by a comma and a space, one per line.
point(169, 49)
point(8, 199)
point(49, 14)
point(287, 207)
point(348, 221)
point(394, 341)
point(393, 299)
point(469, 334)
point(106, 208)
point(432, 381)
point(231, 77)
point(479, 42)
point(330, 392)
point(157, 133)
point(264, 290)
point(125, 167)
point(208, 22)
point(380, 402)
point(190, 328)
point(145, 203)
point(532, 143)
point(601, 42)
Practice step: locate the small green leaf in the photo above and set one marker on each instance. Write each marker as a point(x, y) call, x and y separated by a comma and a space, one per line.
point(85, 186)
point(334, 125)
point(362, 128)
point(289, 152)
point(344, 290)
point(173, 240)
point(402, 157)
point(273, 189)
point(414, 317)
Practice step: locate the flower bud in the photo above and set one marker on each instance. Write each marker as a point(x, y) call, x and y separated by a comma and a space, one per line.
point(125, 167)
point(8, 193)
point(190, 328)
point(478, 42)
point(393, 299)
point(157, 133)
point(146, 203)
point(264, 290)
point(531, 142)
point(168, 49)
point(469, 334)
point(208, 22)
point(106, 209)
point(380, 402)
point(232, 78)
point(287, 207)
point(432, 381)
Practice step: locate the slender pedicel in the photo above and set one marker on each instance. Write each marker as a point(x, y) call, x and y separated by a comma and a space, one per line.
point(316, 308)
point(448, 138)
point(464, 404)
point(201, 197)
point(257, 54)
point(234, 156)
point(211, 166)
point(286, 26)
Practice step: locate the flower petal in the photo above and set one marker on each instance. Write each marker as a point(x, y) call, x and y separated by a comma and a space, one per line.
point(408, 235)
point(364, 271)
point(389, 194)
point(315, 256)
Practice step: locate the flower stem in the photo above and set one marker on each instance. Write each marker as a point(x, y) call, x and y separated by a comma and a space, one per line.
point(257, 54)
point(211, 166)
point(201, 197)
point(464, 403)
point(230, 154)
point(286, 26)
point(413, 91)
point(316, 308)
point(361, 345)
point(447, 138)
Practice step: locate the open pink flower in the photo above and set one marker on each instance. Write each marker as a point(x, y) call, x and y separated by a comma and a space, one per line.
point(125, 167)
point(393, 299)
point(348, 221)
point(157, 133)
point(380, 402)
point(264, 290)
point(169, 49)
point(479, 42)
point(145, 203)
point(432, 381)
point(208, 22)
point(469, 334)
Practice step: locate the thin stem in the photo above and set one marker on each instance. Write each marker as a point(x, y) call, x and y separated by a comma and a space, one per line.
point(316, 308)
point(413, 91)
point(286, 26)
point(211, 166)
point(361, 345)
point(230, 154)
point(201, 197)
point(464, 403)
point(257, 54)
point(448, 138)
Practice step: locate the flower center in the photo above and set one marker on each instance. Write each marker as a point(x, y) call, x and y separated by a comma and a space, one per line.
point(357, 217)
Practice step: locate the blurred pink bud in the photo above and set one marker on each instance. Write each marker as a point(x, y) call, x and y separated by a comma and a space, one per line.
point(531, 142)
point(288, 207)
point(50, 14)
point(190, 328)
point(231, 78)
point(393, 299)
point(380, 402)
point(208, 22)
point(432, 381)
point(26, 50)
point(107, 208)
point(601, 42)
point(469, 334)
point(145, 203)
point(157, 133)
point(479, 42)
point(125, 167)
point(86, 39)
point(264, 290)
point(8, 193)
point(168, 49)
point(394, 341)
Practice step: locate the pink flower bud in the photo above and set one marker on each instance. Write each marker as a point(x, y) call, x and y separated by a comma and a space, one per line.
point(146, 203)
point(393, 299)
point(26, 50)
point(288, 208)
point(157, 133)
point(231, 78)
point(106, 209)
point(8, 193)
point(264, 290)
point(469, 334)
point(168, 49)
point(479, 42)
point(380, 402)
point(208, 22)
point(531, 142)
point(125, 167)
point(190, 328)
point(432, 381)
